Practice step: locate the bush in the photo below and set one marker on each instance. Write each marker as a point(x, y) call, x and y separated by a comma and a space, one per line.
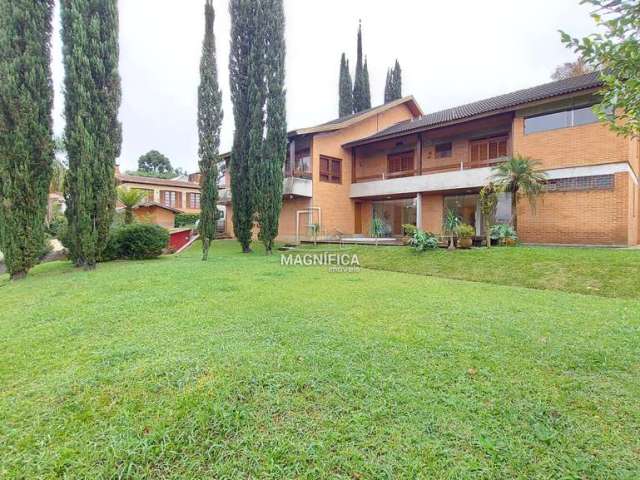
point(138, 241)
point(186, 219)
point(422, 241)
point(465, 230)
point(57, 226)
point(502, 232)
point(409, 230)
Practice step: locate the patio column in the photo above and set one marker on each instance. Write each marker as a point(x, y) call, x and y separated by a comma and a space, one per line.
point(419, 211)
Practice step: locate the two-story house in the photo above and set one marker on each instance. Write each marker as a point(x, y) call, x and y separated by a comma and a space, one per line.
point(394, 163)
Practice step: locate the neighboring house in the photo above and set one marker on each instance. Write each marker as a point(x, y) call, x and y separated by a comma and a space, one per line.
point(394, 163)
point(152, 212)
point(177, 194)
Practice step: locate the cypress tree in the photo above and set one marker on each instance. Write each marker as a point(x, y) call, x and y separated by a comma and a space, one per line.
point(93, 133)
point(243, 41)
point(26, 140)
point(397, 81)
point(388, 86)
point(367, 87)
point(359, 95)
point(209, 122)
point(345, 106)
point(269, 202)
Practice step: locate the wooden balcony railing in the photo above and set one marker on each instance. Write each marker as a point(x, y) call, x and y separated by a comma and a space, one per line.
point(427, 169)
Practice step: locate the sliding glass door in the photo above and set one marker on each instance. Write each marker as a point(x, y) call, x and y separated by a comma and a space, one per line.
point(467, 208)
point(395, 213)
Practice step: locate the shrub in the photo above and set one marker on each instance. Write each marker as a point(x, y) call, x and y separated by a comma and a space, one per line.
point(502, 232)
point(409, 230)
point(465, 230)
point(137, 241)
point(57, 226)
point(422, 241)
point(186, 219)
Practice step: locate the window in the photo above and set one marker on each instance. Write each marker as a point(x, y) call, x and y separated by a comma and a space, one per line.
point(171, 199)
point(400, 162)
point(147, 192)
point(573, 117)
point(193, 200)
point(488, 149)
point(594, 182)
point(330, 169)
point(444, 150)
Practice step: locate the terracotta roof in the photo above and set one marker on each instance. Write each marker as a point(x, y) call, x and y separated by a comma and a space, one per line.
point(149, 203)
point(348, 120)
point(156, 181)
point(501, 103)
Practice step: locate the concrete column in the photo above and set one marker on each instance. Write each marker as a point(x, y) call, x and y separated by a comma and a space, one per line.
point(419, 211)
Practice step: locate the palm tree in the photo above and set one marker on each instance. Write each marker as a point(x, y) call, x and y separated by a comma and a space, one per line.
point(130, 198)
point(519, 177)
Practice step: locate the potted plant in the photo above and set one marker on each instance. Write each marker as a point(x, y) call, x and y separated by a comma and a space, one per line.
point(465, 235)
point(504, 234)
point(451, 222)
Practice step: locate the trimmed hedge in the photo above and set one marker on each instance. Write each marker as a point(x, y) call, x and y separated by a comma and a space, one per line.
point(186, 219)
point(138, 241)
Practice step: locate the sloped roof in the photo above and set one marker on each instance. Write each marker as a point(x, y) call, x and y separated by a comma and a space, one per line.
point(122, 178)
point(497, 104)
point(348, 120)
point(149, 203)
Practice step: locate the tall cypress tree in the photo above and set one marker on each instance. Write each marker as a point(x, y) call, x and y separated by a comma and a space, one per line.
point(243, 38)
point(269, 202)
point(26, 140)
point(359, 85)
point(345, 106)
point(397, 81)
point(367, 87)
point(209, 122)
point(93, 134)
point(388, 87)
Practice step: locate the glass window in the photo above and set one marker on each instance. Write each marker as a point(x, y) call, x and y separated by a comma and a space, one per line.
point(444, 150)
point(551, 121)
point(330, 169)
point(395, 213)
point(584, 116)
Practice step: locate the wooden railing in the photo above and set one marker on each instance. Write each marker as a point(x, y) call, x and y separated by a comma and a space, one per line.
point(426, 170)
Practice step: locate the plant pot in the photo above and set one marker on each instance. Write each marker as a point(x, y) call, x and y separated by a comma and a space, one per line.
point(465, 242)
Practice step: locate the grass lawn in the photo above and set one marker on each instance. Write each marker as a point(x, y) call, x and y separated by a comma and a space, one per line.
point(242, 368)
point(597, 271)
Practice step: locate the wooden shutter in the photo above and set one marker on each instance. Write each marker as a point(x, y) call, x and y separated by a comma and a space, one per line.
point(178, 199)
point(163, 198)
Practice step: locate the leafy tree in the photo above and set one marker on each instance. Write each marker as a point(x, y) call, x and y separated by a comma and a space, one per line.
point(269, 202)
point(367, 87)
point(518, 176)
point(571, 69)
point(93, 134)
point(26, 137)
point(130, 198)
point(244, 37)
point(615, 52)
point(155, 163)
point(345, 106)
point(209, 123)
point(360, 82)
point(488, 206)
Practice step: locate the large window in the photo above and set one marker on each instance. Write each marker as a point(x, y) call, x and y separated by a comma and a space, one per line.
point(171, 199)
point(400, 163)
point(394, 214)
point(444, 150)
point(193, 200)
point(594, 182)
point(488, 149)
point(467, 208)
point(330, 169)
point(566, 118)
point(301, 167)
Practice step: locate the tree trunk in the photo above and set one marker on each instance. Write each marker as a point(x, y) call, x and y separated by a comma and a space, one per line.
point(452, 245)
point(205, 249)
point(128, 216)
point(514, 210)
point(21, 275)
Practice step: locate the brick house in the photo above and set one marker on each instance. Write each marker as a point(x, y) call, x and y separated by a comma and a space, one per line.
point(394, 163)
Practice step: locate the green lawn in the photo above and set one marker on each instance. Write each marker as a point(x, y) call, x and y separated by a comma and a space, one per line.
point(242, 368)
point(597, 271)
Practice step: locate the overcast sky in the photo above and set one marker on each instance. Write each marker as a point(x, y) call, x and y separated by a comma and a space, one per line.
point(451, 53)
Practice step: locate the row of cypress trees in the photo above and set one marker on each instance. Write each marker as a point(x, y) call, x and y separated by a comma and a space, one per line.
point(92, 136)
point(257, 75)
point(393, 85)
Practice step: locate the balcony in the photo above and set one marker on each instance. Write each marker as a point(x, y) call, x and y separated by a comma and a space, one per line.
point(433, 178)
point(298, 185)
